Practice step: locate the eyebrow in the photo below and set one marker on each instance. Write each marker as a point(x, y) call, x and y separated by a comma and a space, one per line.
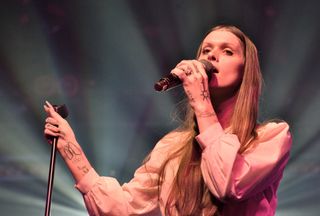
point(222, 44)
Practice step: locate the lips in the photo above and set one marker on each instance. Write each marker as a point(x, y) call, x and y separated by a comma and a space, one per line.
point(213, 68)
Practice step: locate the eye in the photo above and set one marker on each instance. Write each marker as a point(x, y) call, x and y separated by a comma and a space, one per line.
point(228, 52)
point(205, 51)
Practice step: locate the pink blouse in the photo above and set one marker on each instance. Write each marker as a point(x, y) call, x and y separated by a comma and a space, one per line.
point(246, 183)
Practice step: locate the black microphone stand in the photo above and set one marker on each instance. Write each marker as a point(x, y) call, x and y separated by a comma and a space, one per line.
point(61, 110)
point(51, 175)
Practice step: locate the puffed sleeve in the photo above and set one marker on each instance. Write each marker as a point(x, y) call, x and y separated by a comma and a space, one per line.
point(105, 196)
point(230, 175)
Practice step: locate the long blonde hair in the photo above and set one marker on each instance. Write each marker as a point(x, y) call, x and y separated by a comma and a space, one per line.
point(189, 194)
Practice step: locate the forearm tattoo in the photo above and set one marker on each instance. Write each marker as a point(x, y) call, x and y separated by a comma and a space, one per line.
point(72, 152)
point(204, 91)
point(84, 169)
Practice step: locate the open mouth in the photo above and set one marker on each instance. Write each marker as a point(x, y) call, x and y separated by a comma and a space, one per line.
point(214, 70)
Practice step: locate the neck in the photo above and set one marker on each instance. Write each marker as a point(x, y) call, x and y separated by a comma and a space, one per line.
point(224, 107)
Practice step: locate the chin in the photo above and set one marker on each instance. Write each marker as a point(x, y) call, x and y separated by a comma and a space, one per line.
point(223, 91)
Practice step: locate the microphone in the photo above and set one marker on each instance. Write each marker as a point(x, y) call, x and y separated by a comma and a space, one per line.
point(62, 110)
point(171, 80)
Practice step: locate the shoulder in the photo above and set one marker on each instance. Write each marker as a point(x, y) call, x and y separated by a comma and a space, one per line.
point(166, 146)
point(172, 140)
point(274, 131)
point(273, 138)
point(272, 128)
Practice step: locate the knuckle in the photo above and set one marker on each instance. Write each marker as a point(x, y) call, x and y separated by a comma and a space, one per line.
point(174, 71)
point(195, 62)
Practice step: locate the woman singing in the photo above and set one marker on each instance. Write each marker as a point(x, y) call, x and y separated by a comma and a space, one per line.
point(220, 161)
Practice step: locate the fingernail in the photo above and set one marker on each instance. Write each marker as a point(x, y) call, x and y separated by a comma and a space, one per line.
point(47, 102)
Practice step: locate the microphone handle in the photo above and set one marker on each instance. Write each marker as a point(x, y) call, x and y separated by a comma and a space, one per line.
point(168, 82)
point(171, 80)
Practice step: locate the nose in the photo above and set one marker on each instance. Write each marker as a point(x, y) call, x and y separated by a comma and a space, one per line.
point(212, 56)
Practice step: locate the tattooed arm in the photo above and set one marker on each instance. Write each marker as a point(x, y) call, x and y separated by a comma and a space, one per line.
point(195, 84)
point(206, 116)
point(67, 145)
point(75, 159)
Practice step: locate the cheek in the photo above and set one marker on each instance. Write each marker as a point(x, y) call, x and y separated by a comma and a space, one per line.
point(241, 70)
point(233, 75)
point(233, 79)
point(230, 74)
point(238, 75)
point(236, 68)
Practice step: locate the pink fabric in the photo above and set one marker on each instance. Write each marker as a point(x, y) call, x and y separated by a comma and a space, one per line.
point(246, 183)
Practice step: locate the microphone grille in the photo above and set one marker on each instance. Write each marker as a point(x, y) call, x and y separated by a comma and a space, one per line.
point(208, 66)
point(61, 110)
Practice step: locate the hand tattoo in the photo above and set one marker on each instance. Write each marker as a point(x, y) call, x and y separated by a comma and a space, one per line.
point(204, 92)
point(190, 96)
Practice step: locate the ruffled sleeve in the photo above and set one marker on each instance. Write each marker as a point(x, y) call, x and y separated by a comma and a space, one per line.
point(230, 175)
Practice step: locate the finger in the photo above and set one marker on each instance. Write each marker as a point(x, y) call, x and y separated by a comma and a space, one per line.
point(49, 132)
point(48, 108)
point(49, 105)
point(202, 69)
point(51, 127)
point(62, 134)
point(51, 111)
point(179, 72)
point(53, 132)
point(187, 68)
point(199, 68)
point(52, 121)
point(49, 138)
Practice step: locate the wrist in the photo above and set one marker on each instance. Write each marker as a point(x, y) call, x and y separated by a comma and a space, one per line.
point(205, 118)
point(205, 114)
point(204, 110)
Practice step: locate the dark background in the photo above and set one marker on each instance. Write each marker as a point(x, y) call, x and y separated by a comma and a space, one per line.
point(101, 59)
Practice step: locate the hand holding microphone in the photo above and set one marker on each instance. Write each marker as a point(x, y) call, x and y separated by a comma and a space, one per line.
point(171, 80)
point(58, 112)
point(56, 126)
